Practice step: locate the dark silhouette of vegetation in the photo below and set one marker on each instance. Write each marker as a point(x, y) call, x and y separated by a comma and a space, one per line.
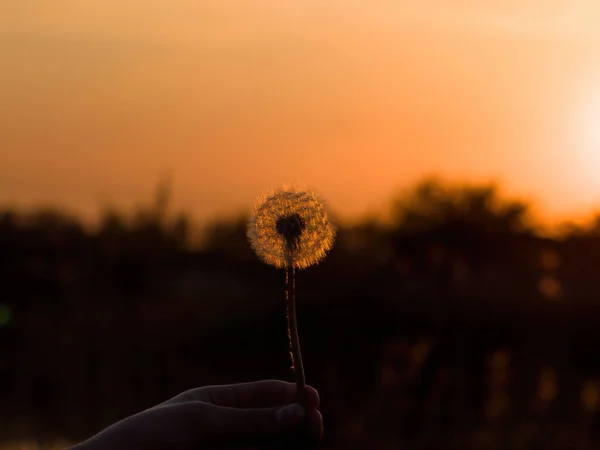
point(453, 326)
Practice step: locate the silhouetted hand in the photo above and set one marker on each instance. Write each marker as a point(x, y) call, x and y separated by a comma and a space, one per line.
point(248, 415)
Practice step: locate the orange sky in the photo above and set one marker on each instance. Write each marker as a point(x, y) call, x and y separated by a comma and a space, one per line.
point(358, 99)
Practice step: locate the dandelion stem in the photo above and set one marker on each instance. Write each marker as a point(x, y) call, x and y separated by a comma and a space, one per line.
point(293, 330)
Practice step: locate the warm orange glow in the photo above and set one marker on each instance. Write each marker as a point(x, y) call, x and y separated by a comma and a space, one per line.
point(587, 128)
point(99, 98)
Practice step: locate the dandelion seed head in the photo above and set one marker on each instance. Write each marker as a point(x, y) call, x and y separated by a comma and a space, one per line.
point(291, 220)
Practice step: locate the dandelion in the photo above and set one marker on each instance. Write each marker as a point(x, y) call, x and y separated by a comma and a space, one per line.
point(290, 229)
point(290, 223)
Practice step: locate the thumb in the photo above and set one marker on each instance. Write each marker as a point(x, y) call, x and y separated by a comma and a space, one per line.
point(250, 425)
point(290, 415)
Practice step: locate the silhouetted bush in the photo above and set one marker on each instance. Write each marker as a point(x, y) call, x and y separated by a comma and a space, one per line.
point(453, 326)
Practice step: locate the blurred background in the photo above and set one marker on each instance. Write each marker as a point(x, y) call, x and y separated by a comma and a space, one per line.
point(457, 144)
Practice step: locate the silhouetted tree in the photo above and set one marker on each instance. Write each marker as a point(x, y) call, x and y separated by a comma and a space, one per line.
point(453, 319)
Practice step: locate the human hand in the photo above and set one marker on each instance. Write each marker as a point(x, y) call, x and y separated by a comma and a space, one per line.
point(248, 415)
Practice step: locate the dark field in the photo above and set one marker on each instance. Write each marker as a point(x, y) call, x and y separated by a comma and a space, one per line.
point(455, 326)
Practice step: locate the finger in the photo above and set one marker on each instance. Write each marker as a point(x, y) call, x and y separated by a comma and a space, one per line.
point(307, 436)
point(207, 423)
point(315, 426)
point(257, 394)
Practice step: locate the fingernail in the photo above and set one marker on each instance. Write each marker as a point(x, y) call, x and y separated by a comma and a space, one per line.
point(290, 414)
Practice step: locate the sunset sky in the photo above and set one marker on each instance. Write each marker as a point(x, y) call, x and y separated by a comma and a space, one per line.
point(99, 99)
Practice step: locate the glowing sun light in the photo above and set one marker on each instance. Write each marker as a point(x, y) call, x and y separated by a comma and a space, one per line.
point(590, 124)
point(586, 145)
